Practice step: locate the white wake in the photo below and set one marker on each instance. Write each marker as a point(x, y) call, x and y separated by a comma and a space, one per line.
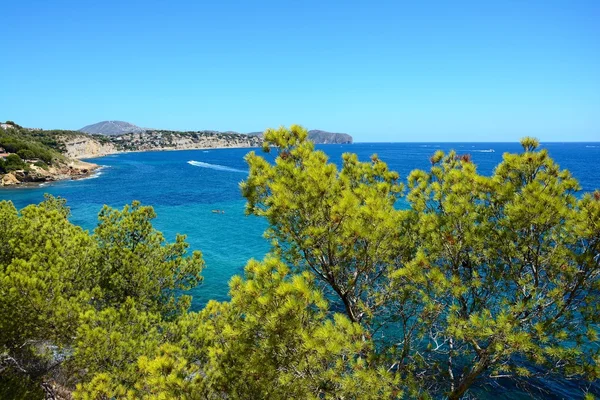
point(215, 166)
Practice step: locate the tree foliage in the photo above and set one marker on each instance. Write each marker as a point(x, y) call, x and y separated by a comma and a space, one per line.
point(272, 340)
point(468, 280)
point(12, 163)
point(478, 277)
point(30, 144)
point(54, 280)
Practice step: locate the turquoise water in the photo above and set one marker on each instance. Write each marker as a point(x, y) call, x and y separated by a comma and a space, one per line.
point(185, 186)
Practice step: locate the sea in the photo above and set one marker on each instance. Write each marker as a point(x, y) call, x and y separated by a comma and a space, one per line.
point(184, 187)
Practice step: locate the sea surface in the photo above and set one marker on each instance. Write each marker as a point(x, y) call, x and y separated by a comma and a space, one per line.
point(185, 186)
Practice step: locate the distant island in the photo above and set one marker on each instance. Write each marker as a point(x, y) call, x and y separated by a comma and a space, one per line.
point(34, 155)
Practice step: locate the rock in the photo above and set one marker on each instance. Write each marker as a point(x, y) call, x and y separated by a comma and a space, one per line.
point(29, 176)
point(9, 180)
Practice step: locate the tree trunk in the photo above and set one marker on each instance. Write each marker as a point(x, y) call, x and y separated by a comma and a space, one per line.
point(467, 381)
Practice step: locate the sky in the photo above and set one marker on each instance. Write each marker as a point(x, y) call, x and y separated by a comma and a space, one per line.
point(382, 71)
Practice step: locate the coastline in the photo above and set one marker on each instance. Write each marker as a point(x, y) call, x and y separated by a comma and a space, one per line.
point(80, 169)
point(36, 177)
point(91, 157)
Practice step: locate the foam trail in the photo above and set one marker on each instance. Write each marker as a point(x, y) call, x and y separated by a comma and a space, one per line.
point(215, 166)
point(483, 151)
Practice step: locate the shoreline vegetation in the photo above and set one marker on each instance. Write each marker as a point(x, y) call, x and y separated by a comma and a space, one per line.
point(30, 157)
point(481, 283)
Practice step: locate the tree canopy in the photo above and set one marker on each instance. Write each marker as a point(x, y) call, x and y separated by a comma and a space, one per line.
point(470, 280)
point(479, 277)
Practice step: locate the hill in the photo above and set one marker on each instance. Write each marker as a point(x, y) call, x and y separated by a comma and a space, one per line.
point(111, 128)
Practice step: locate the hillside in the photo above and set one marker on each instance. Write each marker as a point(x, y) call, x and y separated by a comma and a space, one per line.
point(111, 128)
point(35, 155)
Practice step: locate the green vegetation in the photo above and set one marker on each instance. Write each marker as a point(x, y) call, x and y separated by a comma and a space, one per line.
point(479, 278)
point(60, 287)
point(12, 163)
point(31, 144)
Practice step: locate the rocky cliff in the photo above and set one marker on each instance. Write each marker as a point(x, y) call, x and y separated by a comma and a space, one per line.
point(85, 146)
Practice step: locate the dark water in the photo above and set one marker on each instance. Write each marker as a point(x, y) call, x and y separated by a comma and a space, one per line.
point(184, 194)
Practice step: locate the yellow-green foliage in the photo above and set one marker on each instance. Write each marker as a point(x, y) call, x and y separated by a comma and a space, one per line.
point(272, 340)
point(479, 277)
point(62, 289)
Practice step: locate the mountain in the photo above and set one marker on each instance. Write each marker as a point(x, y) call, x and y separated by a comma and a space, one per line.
point(320, 137)
point(111, 128)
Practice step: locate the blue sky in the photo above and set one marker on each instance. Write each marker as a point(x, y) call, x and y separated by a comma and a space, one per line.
point(381, 71)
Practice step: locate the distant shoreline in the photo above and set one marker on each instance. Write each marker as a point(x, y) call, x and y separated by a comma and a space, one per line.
point(163, 149)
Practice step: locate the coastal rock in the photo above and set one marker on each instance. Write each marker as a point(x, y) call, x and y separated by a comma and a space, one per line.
point(75, 169)
point(9, 180)
point(29, 176)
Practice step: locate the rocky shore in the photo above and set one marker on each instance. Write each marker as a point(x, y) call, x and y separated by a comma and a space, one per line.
point(35, 175)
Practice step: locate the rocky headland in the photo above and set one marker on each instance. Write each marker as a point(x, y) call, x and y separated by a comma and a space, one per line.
point(33, 175)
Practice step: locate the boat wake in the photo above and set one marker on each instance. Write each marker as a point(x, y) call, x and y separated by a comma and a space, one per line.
point(483, 151)
point(215, 166)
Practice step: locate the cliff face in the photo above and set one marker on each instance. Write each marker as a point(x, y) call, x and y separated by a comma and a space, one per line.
point(86, 147)
point(169, 140)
